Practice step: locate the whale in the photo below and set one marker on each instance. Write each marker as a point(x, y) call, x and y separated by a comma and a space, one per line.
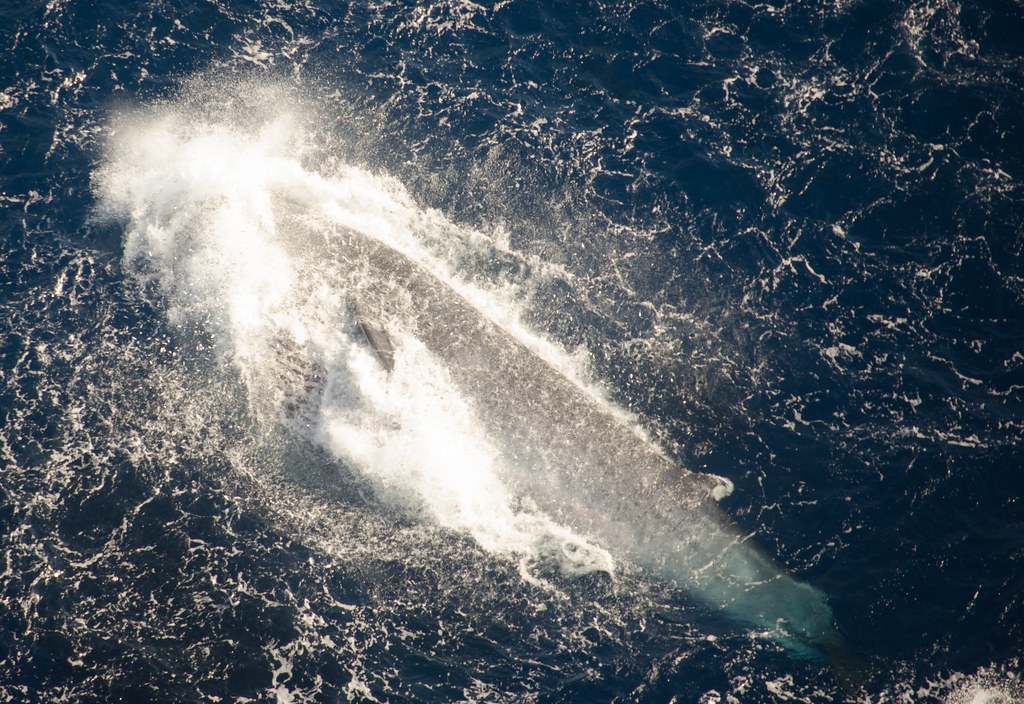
point(581, 462)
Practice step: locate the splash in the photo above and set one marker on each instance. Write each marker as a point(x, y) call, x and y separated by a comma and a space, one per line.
point(229, 205)
point(991, 685)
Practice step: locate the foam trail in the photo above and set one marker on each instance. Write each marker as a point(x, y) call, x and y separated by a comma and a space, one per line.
point(226, 219)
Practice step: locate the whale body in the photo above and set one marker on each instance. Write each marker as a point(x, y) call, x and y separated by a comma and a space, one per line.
point(581, 463)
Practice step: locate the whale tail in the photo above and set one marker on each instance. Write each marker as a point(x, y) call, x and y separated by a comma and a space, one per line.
point(856, 675)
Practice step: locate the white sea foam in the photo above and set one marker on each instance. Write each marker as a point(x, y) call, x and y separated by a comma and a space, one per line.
point(987, 686)
point(997, 683)
point(227, 215)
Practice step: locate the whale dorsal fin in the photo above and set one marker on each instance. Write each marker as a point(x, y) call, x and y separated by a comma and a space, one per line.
point(717, 487)
point(695, 489)
point(377, 337)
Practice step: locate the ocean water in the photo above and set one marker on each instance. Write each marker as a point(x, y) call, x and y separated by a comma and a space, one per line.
point(781, 240)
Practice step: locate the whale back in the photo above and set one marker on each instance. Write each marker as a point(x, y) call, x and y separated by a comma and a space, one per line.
point(556, 439)
point(581, 462)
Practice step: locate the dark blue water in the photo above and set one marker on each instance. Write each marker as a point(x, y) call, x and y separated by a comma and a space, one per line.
point(786, 236)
